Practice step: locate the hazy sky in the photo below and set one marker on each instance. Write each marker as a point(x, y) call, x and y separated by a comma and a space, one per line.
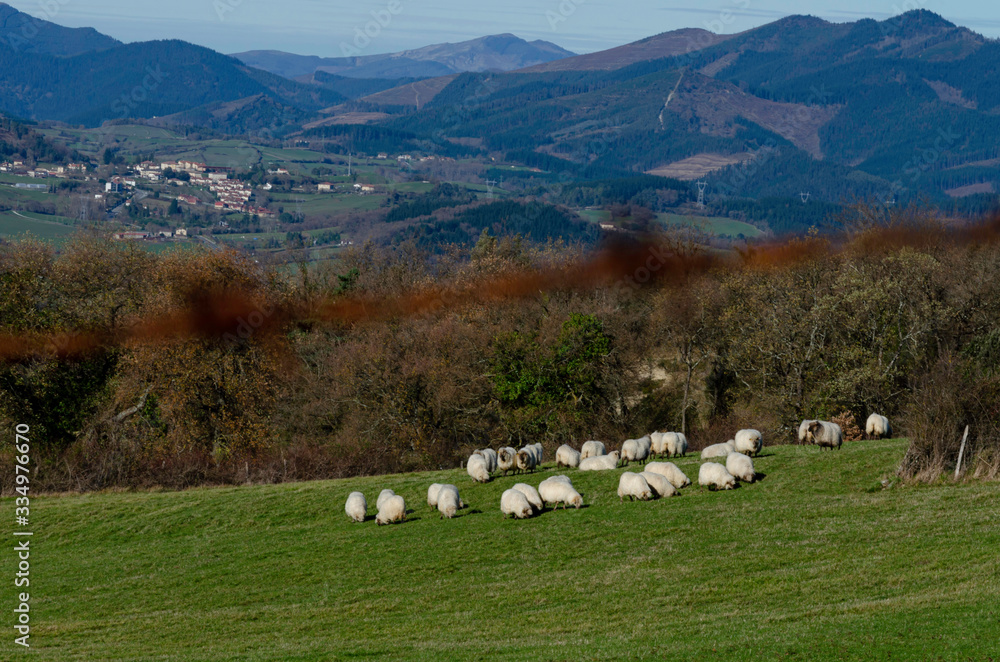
point(324, 27)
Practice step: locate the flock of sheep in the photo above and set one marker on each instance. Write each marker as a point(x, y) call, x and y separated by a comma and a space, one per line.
point(659, 479)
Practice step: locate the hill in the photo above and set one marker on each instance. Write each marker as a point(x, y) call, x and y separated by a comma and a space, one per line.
point(814, 562)
point(27, 34)
point(503, 52)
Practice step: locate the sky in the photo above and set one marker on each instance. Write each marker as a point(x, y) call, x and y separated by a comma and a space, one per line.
point(334, 28)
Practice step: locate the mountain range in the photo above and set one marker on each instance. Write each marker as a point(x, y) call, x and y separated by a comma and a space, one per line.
point(902, 108)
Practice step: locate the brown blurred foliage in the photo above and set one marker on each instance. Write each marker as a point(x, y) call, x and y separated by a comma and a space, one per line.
point(204, 367)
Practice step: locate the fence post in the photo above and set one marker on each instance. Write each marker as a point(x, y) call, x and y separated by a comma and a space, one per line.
point(961, 452)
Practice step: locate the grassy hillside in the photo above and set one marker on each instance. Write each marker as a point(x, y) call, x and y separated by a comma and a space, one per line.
point(815, 562)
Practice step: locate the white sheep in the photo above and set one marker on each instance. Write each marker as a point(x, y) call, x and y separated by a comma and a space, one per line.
point(601, 462)
point(491, 458)
point(803, 427)
point(382, 496)
point(646, 442)
point(506, 460)
point(567, 456)
point(748, 442)
point(592, 449)
point(659, 484)
point(676, 443)
point(531, 494)
point(356, 507)
point(634, 451)
point(432, 494)
point(559, 489)
point(448, 501)
point(825, 435)
point(878, 427)
point(526, 459)
point(718, 450)
point(671, 472)
point(515, 504)
point(715, 477)
point(478, 469)
point(740, 466)
point(539, 455)
point(633, 486)
point(658, 443)
point(393, 509)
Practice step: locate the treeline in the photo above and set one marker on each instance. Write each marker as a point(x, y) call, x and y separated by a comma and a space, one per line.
point(902, 322)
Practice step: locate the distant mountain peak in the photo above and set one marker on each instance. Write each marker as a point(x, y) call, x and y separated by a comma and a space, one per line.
point(24, 33)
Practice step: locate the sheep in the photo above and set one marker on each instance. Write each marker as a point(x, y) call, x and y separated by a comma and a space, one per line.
point(592, 449)
point(559, 489)
point(646, 442)
point(506, 460)
point(749, 442)
point(515, 504)
point(432, 494)
point(383, 495)
point(669, 471)
point(825, 435)
point(491, 458)
point(448, 501)
point(531, 494)
point(633, 486)
point(676, 443)
point(803, 428)
point(356, 507)
point(567, 456)
point(526, 459)
point(715, 477)
point(601, 462)
point(718, 450)
point(878, 427)
point(634, 451)
point(393, 509)
point(540, 455)
point(658, 443)
point(659, 484)
point(477, 469)
point(740, 466)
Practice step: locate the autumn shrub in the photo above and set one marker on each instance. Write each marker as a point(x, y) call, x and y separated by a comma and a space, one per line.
point(848, 426)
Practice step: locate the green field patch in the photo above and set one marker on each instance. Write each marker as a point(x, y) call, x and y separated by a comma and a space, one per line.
point(718, 226)
point(594, 215)
point(13, 226)
point(816, 561)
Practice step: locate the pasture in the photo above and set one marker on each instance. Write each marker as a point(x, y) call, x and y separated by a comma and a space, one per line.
point(17, 225)
point(817, 561)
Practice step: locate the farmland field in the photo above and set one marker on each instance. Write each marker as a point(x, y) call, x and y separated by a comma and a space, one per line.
point(718, 226)
point(13, 226)
point(817, 561)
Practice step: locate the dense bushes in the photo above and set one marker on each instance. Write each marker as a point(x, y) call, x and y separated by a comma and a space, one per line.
point(763, 340)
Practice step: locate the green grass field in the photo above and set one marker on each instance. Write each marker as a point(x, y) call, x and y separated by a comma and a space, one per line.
point(815, 562)
point(13, 226)
point(718, 226)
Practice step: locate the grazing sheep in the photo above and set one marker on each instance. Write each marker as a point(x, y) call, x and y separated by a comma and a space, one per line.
point(600, 462)
point(491, 458)
point(676, 443)
point(531, 494)
point(646, 442)
point(740, 466)
point(382, 496)
point(878, 427)
point(658, 445)
point(451, 488)
point(669, 471)
point(634, 451)
point(567, 456)
point(526, 459)
point(432, 494)
point(659, 484)
point(803, 428)
point(393, 509)
point(356, 507)
point(506, 460)
point(539, 453)
point(559, 489)
point(634, 487)
point(515, 504)
point(477, 469)
point(448, 501)
point(748, 442)
point(715, 477)
point(825, 435)
point(592, 449)
point(718, 450)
